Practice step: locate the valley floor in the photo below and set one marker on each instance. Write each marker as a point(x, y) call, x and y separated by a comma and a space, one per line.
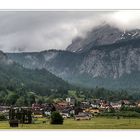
point(95, 123)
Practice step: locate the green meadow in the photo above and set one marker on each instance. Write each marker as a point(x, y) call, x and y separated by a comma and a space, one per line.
point(95, 123)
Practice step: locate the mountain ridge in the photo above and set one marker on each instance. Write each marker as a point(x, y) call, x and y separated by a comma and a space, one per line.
point(38, 80)
point(95, 65)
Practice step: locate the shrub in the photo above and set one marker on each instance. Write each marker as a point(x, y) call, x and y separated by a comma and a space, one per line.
point(129, 114)
point(107, 114)
point(2, 117)
point(56, 118)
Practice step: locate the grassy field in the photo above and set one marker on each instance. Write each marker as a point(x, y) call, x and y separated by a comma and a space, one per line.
point(95, 123)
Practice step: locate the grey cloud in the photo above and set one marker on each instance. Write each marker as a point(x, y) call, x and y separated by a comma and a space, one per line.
point(43, 30)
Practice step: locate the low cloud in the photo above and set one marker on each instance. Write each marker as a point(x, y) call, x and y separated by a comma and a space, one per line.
point(43, 30)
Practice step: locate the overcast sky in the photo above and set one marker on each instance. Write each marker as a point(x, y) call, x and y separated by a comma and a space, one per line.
point(43, 30)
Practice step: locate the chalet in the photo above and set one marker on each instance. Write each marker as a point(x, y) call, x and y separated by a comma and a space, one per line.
point(65, 115)
point(95, 105)
point(61, 106)
point(48, 113)
point(85, 105)
point(72, 111)
point(77, 110)
point(126, 102)
point(105, 106)
point(37, 111)
point(82, 116)
point(70, 101)
point(4, 108)
point(36, 106)
point(40, 109)
point(132, 105)
point(92, 110)
point(138, 104)
point(116, 105)
point(97, 101)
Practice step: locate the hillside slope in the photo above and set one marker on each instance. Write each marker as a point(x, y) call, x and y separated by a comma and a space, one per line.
point(12, 74)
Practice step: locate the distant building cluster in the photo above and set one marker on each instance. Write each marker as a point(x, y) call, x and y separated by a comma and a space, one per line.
point(68, 108)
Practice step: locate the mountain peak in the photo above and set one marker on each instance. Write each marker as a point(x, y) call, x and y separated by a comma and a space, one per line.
point(102, 35)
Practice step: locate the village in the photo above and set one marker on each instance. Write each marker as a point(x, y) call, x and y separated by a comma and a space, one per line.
point(85, 110)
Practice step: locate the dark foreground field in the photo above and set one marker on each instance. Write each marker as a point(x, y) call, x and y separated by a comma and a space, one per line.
point(95, 123)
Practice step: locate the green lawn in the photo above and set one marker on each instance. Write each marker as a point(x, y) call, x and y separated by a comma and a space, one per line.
point(95, 123)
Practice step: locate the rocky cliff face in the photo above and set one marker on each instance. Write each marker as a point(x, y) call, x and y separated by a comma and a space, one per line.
point(61, 63)
point(112, 63)
point(107, 57)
